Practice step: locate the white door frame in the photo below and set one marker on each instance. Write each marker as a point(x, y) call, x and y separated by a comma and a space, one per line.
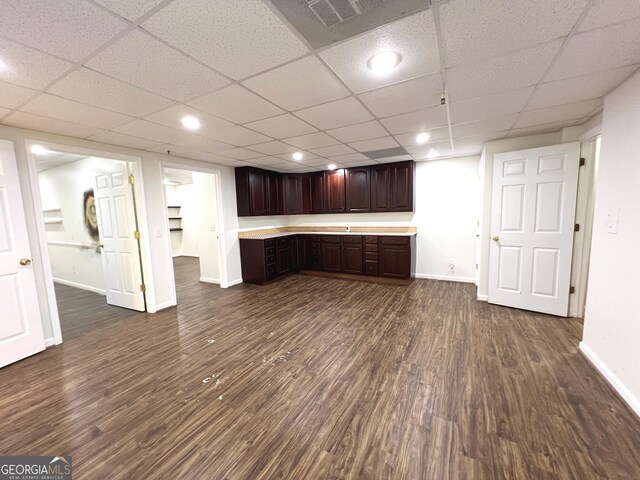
point(224, 280)
point(141, 212)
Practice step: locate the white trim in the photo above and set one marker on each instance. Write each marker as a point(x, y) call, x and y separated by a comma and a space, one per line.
point(447, 278)
point(163, 305)
point(210, 280)
point(612, 378)
point(482, 298)
point(80, 286)
point(50, 342)
point(231, 283)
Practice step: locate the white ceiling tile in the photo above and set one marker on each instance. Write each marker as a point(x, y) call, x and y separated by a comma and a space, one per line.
point(216, 158)
point(598, 50)
point(362, 131)
point(202, 144)
point(483, 127)
point(474, 31)
point(50, 125)
point(509, 72)
point(417, 121)
point(349, 59)
point(490, 106)
point(266, 161)
point(557, 114)
point(404, 97)
point(359, 163)
point(336, 114)
point(151, 131)
point(575, 89)
point(547, 128)
point(431, 152)
point(237, 104)
point(113, 138)
point(607, 12)
point(283, 126)
point(175, 150)
point(28, 67)
point(70, 111)
point(172, 116)
point(239, 136)
point(435, 135)
point(319, 163)
point(96, 89)
point(237, 38)
point(11, 96)
point(3, 112)
point(350, 158)
point(474, 145)
point(67, 28)
point(128, 9)
point(333, 151)
point(273, 148)
point(374, 144)
point(299, 84)
point(292, 167)
point(312, 140)
point(240, 154)
point(147, 63)
point(305, 157)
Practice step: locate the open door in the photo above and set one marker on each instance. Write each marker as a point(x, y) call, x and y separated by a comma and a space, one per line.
point(117, 226)
point(532, 227)
point(20, 324)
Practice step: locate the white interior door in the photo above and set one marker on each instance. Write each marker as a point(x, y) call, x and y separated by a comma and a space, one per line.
point(117, 229)
point(20, 323)
point(532, 226)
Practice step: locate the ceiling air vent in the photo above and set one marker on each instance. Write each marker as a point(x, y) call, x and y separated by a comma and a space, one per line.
point(332, 12)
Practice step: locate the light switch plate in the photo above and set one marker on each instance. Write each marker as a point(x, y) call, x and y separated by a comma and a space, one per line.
point(612, 224)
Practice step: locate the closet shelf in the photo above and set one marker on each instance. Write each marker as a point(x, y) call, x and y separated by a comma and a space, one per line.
point(173, 206)
point(175, 218)
point(175, 229)
point(48, 221)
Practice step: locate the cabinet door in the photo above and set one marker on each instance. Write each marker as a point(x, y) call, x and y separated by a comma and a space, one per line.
point(335, 191)
point(358, 189)
point(283, 259)
point(402, 186)
point(395, 261)
point(292, 185)
point(352, 261)
point(257, 204)
point(381, 188)
point(331, 257)
point(272, 193)
point(295, 253)
point(316, 185)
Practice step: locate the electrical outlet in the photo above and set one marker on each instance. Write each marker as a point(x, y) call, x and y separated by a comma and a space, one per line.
point(452, 264)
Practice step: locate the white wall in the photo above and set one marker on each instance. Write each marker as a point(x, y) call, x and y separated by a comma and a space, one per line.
point(611, 335)
point(207, 227)
point(63, 187)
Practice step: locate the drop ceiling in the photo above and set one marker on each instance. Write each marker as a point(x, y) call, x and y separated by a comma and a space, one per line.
point(124, 73)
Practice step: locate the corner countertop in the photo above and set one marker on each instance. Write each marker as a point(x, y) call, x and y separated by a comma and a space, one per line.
point(264, 234)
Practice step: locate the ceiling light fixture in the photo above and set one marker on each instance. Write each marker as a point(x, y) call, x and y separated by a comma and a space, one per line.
point(39, 150)
point(332, 166)
point(3, 65)
point(433, 153)
point(190, 122)
point(384, 62)
point(422, 137)
point(297, 156)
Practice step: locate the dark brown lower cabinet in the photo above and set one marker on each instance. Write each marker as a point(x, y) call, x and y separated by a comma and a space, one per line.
point(352, 254)
point(311, 252)
point(331, 261)
point(395, 257)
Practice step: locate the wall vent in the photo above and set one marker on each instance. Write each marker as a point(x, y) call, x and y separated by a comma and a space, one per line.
point(332, 12)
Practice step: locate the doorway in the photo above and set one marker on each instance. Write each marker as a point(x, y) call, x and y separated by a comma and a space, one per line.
point(191, 199)
point(91, 231)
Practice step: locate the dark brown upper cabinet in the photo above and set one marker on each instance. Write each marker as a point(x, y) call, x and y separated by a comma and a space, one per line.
point(316, 192)
point(292, 188)
point(272, 193)
point(335, 191)
point(392, 187)
point(358, 189)
point(250, 191)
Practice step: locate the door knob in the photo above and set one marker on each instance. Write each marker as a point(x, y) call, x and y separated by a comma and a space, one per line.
point(99, 247)
point(25, 261)
point(496, 238)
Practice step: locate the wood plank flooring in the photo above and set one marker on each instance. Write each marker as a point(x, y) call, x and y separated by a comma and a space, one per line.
point(314, 378)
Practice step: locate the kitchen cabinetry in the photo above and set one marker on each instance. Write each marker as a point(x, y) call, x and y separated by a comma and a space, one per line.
point(316, 192)
point(311, 253)
point(358, 189)
point(292, 188)
point(351, 254)
point(392, 187)
point(335, 191)
point(331, 253)
point(272, 193)
point(395, 257)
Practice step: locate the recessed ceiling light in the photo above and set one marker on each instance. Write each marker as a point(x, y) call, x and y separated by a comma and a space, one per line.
point(433, 153)
point(332, 166)
point(190, 122)
point(384, 62)
point(422, 137)
point(297, 156)
point(39, 150)
point(3, 65)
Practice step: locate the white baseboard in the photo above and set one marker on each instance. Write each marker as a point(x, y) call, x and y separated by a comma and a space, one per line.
point(237, 281)
point(448, 278)
point(483, 298)
point(210, 280)
point(49, 342)
point(163, 305)
point(612, 378)
point(79, 285)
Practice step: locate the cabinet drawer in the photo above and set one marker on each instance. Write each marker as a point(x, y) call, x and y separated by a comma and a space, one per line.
point(370, 267)
point(371, 239)
point(270, 251)
point(271, 271)
point(351, 239)
point(331, 239)
point(270, 243)
point(283, 240)
point(271, 259)
point(371, 256)
point(313, 238)
point(394, 240)
point(370, 247)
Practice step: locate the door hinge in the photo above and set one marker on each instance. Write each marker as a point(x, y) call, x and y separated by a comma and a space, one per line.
point(576, 227)
point(572, 290)
point(132, 179)
point(582, 162)
point(143, 287)
point(137, 235)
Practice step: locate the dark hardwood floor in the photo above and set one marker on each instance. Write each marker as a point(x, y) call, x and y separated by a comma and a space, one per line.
point(312, 378)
